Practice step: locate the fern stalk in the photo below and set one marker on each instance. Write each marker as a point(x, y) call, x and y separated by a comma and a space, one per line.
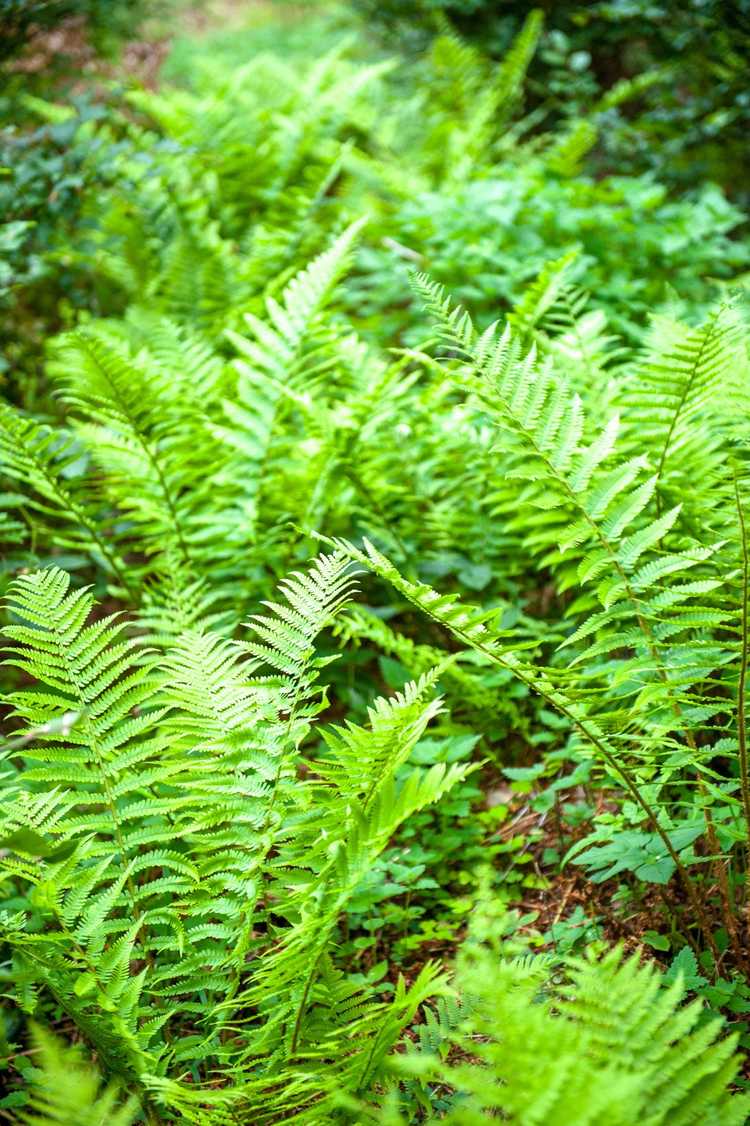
point(742, 684)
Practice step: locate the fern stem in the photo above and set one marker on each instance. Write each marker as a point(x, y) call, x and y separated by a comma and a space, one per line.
point(561, 705)
point(651, 644)
point(169, 503)
point(455, 335)
point(240, 947)
point(629, 782)
point(742, 686)
point(302, 1003)
point(632, 786)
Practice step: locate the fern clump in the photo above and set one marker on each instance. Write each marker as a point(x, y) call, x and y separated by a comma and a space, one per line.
point(376, 304)
point(169, 854)
point(603, 1041)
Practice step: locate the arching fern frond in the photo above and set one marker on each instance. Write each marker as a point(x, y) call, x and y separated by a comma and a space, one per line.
point(539, 298)
point(677, 390)
point(280, 354)
point(316, 1014)
point(40, 459)
point(285, 636)
point(573, 698)
point(587, 514)
point(102, 767)
point(153, 445)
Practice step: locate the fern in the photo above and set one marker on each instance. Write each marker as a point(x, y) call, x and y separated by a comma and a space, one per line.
point(281, 355)
point(228, 862)
point(611, 1045)
point(172, 820)
point(480, 101)
point(132, 439)
point(41, 459)
point(64, 1090)
point(682, 380)
point(588, 515)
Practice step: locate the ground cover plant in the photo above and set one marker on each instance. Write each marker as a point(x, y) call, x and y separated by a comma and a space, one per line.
point(690, 120)
point(375, 589)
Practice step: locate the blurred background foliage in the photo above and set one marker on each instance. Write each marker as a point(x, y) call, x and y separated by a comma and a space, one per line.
point(61, 50)
point(108, 21)
point(647, 186)
point(691, 125)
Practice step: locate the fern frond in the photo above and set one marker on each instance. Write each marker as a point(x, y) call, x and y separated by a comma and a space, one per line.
point(294, 974)
point(541, 296)
point(41, 459)
point(566, 1055)
point(512, 71)
point(153, 444)
point(684, 375)
point(65, 1089)
point(285, 637)
point(580, 514)
point(280, 354)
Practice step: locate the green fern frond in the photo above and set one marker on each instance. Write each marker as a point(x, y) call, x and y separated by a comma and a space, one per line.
point(360, 772)
point(565, 156)
point(285, 637)
point(66, 1090)
point(282, 354)
point(677, 389)
point(42, 460)
point(540, 297)
point(154, 446)
point(591, 521)
point(512, 71)
point(611, 1046)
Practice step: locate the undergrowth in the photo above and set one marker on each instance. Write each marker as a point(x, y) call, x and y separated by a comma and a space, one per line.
point(349, 618)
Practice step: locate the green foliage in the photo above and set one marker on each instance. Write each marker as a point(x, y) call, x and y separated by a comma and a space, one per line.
point(691, 120)
point(21, 19)
point(217, 191)
point(178, 874)
point(646, 644)
point(64, 1089)
point(604, 1041)
point(246, 794)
